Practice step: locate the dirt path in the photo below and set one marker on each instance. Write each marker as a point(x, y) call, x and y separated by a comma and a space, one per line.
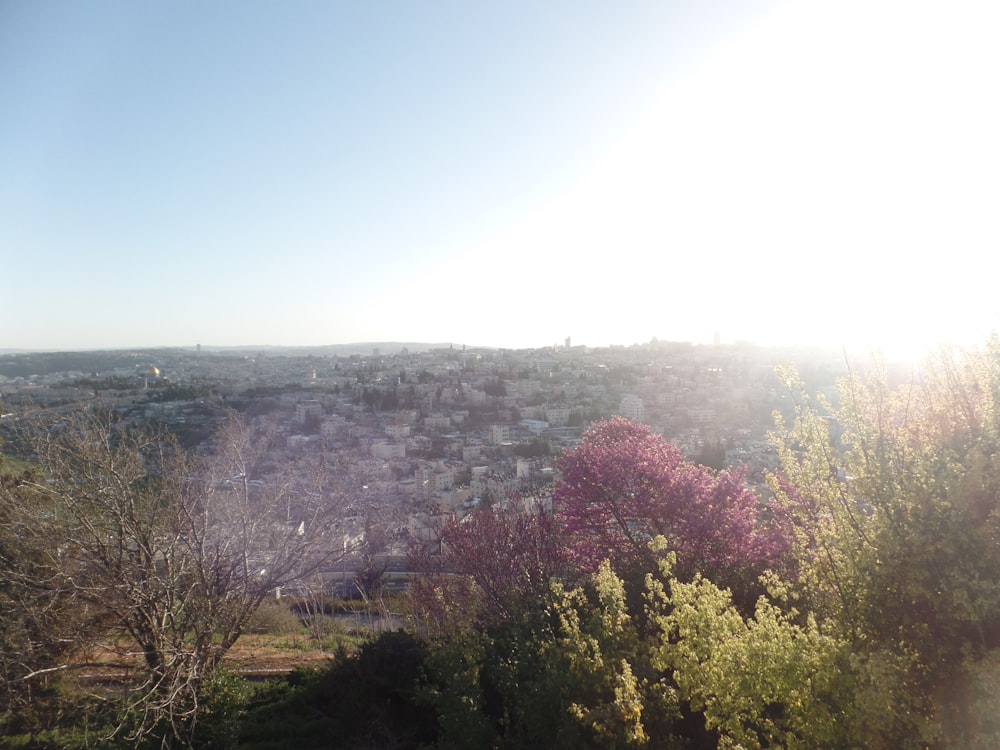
point(260, 656)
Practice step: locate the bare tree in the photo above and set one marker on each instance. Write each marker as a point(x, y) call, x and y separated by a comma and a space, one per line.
point(41, 625)
point(173, 551)
point(314, 609)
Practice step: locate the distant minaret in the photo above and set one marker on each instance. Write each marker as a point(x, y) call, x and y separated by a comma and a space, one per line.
point(717, 338)
point(567, 342)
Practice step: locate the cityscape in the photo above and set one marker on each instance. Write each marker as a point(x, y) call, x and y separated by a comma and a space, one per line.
point(671, 417)
point(434, 431)
point(386, 525)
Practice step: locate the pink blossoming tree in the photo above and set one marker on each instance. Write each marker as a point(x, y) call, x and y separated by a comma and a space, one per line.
point(493, 564)
point(624, 485)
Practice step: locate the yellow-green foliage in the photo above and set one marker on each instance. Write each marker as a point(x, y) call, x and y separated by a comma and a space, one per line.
point(573, 673)
point(897, 487)
point(764, 681)
point(596, 644)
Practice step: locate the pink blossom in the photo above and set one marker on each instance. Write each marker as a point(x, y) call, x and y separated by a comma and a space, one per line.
point(624, 485)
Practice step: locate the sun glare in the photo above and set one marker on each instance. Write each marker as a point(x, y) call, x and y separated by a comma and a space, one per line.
point(814, 180)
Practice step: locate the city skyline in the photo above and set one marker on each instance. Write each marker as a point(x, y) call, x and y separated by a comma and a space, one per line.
point(238, 175)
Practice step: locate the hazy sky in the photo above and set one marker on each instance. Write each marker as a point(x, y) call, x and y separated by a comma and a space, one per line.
point(503, 174)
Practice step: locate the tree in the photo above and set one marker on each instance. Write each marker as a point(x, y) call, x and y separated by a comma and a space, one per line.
point(712, 455)
point(495, 388)
point(494, 563)
point(510, 552)
point(381, 523)
point(569, 671)
point(171, 552)
point(897, 491)
point(40, 624)
point(772, 678)
point(534, 448)
point(624, 485)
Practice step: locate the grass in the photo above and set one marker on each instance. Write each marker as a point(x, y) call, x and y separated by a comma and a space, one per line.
point(13, 465)
point(279, 662)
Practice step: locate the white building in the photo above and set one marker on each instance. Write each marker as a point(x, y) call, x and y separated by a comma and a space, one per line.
point(431, 478)
point(701, 416)
point(388, 451)
point(666, 398)
point(306, 409)
point(557, 416)
point(535, 426)
point(437, 422)
point(471, 453)
point(523, 468)
point(332, 427)
point(631, 407)
point(397, 431)
point(496, 487)
point(499, 434)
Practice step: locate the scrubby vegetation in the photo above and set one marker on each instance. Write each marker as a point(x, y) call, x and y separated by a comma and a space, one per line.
point(657, 603)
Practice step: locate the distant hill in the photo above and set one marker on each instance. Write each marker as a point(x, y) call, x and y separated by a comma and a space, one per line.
point(25, 364)
point(14, 363)
point(340, 350)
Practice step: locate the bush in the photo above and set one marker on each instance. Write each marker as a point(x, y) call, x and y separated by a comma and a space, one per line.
point(273, 618)
point(224, 704)
point(363, 700)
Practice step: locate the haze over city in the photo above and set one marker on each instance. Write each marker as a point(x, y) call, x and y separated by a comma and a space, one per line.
point(248, 174)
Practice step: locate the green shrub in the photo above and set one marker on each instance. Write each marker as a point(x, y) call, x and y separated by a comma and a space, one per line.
point(365, 700)
point(224, 703)
point(273, 618)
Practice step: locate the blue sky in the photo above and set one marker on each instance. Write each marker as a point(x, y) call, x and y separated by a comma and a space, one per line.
point(249, 173)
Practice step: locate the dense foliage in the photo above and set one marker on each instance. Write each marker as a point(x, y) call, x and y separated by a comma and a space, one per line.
point(492, 565)
point(899, 503)
point(624, 485)
point(877, 554)
point(663, 604)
